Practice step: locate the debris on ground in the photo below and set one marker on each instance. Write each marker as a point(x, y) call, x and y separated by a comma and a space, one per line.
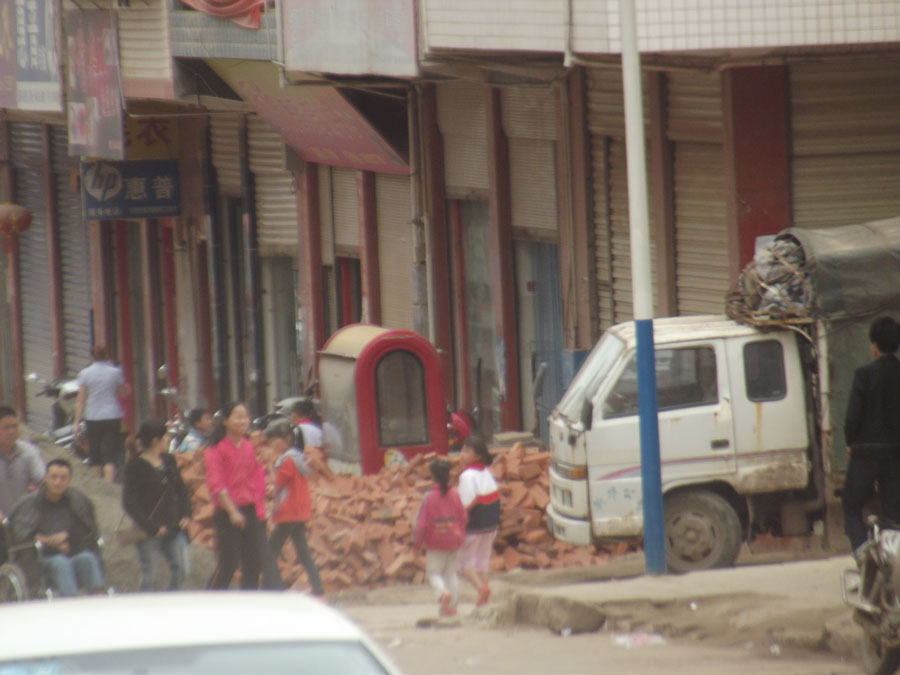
point(362, 526)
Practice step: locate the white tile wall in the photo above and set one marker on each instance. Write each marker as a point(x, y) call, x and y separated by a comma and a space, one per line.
point(663, 25)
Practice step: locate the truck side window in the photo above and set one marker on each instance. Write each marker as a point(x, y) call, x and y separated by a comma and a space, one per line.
point(684, 377)
point(764, 370)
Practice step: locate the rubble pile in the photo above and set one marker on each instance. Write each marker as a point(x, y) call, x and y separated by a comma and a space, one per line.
point(362, 526)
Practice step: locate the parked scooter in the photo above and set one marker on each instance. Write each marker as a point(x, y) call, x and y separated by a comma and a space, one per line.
point(177, 424)
point(873, 590)
point(64, 392)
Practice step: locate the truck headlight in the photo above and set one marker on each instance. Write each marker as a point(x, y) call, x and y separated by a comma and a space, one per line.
point(568, 471)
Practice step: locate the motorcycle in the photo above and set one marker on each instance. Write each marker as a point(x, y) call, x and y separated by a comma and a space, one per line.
point(873, 591)
point(64, 392)
point(177, 423)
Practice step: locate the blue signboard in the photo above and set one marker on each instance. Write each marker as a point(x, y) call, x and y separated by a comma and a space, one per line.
point(137, 189)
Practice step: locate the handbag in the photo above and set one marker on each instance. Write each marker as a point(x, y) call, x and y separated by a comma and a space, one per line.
point(134, 533)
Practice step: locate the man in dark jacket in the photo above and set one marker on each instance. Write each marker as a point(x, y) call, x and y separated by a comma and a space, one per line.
point(872, 430)
point(61, 519)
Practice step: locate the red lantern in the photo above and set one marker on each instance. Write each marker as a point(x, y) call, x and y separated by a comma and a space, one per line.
point(14, 219)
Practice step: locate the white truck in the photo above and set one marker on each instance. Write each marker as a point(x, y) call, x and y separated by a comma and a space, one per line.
point(750, 411)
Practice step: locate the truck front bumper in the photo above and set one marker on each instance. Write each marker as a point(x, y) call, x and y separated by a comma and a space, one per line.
point(575, 531)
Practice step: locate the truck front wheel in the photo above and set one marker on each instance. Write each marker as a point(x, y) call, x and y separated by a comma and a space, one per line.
point(702, 531)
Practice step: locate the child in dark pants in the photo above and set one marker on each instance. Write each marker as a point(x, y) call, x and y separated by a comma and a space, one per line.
point(293, 506)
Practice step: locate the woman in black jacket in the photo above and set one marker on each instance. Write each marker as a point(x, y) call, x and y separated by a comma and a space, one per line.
point(158, 502)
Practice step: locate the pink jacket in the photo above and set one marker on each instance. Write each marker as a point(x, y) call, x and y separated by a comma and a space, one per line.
point(236, 469)
point(441, 524)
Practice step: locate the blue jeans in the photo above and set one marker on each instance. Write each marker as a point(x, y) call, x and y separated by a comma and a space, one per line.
point(67, 573)
point(174, 548)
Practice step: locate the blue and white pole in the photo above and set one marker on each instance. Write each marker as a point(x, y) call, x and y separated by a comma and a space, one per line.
point(642, 290)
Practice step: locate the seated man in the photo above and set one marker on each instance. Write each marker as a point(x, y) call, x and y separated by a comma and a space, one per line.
point(62, 520)
point(21, 468)
point(201, 423)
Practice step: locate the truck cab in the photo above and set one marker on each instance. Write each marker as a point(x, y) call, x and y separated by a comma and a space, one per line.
point(733, 427)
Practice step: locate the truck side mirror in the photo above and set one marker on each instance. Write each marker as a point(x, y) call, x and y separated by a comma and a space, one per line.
point(587, 414)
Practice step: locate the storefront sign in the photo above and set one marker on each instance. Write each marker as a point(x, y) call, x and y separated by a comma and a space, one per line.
point(151, 138)
point(351, 37)
point(315, 120)
point(140, 189)
point(37, 69)
point(94, 101)
point(7, 54)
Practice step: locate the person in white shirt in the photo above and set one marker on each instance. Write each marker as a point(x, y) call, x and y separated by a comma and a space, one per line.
point(99, 387)
point(481, 498)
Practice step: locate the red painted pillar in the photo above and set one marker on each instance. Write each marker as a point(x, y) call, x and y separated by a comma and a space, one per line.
point(152, 346)
point(438, 235)
point(501, 243)
point(310, 256)
point(757, 158)
point(368, 246)
point(99, 285)
point(167, 226)
point(203, 302)
point(123, 315)
point(464, 383)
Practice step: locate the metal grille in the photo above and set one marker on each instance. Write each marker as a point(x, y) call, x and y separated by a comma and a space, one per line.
point(34, 280)
point(462, 119)
point(226, 154)
point(845, 135)
point(345, 208)
point(532, 175)
point(276, 201)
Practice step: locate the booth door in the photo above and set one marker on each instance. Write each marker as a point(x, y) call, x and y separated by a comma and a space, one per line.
point(401, 401)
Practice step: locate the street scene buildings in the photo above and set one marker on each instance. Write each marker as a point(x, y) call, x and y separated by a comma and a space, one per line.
point(221, 188)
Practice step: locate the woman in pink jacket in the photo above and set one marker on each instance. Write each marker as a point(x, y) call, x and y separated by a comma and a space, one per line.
point(237, 485)
point(440, 528)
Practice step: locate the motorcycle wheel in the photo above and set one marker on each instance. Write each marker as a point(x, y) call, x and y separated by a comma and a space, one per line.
point(878, 659)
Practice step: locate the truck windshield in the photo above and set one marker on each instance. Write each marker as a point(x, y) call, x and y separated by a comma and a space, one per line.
point(590, 375)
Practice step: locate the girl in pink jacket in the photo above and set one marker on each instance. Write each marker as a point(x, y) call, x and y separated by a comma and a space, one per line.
point(440, 528)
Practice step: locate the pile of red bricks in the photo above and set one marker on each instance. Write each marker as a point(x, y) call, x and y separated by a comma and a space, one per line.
point(362, 527)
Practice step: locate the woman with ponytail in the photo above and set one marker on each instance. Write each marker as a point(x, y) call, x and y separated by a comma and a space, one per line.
point(440, 529)
point(237, 485)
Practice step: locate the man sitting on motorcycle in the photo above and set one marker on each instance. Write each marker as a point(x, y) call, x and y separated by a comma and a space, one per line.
point(201, 423)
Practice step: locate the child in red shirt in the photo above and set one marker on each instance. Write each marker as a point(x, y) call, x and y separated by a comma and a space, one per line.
point(293, 506)
point(440, 528)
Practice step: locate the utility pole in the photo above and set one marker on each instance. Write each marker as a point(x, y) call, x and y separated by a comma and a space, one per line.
point(642, 292)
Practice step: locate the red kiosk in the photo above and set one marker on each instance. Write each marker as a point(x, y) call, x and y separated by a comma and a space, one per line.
point(381, 393)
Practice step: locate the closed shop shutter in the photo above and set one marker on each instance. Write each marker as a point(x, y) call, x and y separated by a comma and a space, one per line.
point(28, 185)
point(462, 119)
point(326, 215)
point(395, 249)
point(701, 221)
point(345, 208)
point(226, 157)
point(276, 201)
point(74, 256)
point(612, 235)
point(845, 135)
point(529, 122)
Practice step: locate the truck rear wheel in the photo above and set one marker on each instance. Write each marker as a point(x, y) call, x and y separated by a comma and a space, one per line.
point(702, 531)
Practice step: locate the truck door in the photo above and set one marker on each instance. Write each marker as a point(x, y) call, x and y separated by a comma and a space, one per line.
point(695, 431)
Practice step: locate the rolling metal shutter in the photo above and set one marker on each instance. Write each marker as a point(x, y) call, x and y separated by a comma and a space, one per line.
point(529, 121)
point(694, 125)
point(276, 200)
point(226, 152)
point(74, 256)
point(845, 134)
point(462, 119)
point(345, 209)
point(26, 142)
point(395, 249)
point(612, 234)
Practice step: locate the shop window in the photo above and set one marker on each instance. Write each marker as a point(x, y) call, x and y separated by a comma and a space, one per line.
point(764, 371)
point(401, 400)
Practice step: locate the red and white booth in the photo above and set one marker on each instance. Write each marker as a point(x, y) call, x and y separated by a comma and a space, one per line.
point(382, 397)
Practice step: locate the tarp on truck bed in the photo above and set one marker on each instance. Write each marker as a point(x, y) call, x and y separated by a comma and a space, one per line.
point(833, 273)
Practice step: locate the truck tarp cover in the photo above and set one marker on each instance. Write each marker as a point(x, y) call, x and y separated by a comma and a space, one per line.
point(832, 273)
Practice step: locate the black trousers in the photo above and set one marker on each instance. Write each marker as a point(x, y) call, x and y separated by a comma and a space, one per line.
point(297, 532)
point(239, 546)
point(859, 489)
point(106, 444)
